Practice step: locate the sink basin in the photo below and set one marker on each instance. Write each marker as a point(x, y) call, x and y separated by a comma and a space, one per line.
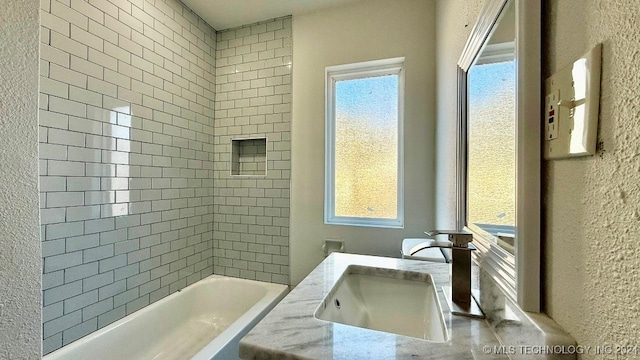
point(394, 301)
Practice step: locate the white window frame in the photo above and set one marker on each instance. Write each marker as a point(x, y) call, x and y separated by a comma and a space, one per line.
point(366, 69)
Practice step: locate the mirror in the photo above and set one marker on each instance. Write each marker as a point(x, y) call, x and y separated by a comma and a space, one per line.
point(498, 155)
point(491, 145)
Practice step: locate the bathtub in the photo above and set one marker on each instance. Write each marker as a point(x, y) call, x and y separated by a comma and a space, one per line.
point(205, 320)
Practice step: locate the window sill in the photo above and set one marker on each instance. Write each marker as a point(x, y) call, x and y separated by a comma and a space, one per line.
point(361, 222)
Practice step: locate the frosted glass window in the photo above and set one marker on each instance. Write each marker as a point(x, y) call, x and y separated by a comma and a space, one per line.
point(492, 149)
point(364, 164)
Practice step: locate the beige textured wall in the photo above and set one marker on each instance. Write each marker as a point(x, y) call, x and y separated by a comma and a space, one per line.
point(19, 220)
point(592, 204)
point(369, 30)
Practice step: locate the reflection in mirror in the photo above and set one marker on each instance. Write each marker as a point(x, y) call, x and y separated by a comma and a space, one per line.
point(491, 136)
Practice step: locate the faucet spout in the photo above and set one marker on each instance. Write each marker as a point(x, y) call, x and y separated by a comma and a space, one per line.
point(432, 233)
point(430, 244)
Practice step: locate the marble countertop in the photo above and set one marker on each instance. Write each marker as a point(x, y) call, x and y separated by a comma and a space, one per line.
point(290, 331)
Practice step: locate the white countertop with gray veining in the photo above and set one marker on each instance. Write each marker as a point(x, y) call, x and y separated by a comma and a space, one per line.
point(290, 331)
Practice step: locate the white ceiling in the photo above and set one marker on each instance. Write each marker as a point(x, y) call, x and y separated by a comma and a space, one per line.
point(226, 14)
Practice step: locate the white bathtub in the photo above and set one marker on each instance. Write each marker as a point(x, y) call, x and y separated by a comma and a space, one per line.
point(202, 321)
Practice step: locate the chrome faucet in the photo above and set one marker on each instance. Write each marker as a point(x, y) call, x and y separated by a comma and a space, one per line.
point(462, 301)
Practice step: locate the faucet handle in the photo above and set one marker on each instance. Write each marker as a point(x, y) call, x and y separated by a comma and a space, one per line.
point(459, 238)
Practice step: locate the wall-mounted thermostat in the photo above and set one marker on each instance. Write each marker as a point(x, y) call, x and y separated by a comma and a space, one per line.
point(572, 97)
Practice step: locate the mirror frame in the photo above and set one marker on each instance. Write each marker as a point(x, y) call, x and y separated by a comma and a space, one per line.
point(518, 276)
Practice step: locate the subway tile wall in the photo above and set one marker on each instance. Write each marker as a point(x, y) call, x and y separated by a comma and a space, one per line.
point(126, 148)
point(253, 100)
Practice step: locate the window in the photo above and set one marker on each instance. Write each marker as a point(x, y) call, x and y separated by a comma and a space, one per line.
point(363, 161)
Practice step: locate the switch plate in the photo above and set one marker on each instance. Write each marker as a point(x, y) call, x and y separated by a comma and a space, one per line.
point(572, 98)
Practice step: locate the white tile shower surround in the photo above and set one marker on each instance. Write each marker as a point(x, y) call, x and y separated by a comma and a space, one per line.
point(253, 100)
point(126, 158)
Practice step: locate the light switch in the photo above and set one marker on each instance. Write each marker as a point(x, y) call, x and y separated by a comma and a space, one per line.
point(571, 108)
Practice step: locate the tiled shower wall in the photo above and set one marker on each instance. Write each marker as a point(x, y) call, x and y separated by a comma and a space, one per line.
point(253, 100)
point(126, 149)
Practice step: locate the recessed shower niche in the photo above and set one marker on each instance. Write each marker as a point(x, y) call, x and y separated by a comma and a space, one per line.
point(249, 157)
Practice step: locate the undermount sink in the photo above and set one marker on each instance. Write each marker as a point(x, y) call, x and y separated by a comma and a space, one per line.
point(394, 301)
